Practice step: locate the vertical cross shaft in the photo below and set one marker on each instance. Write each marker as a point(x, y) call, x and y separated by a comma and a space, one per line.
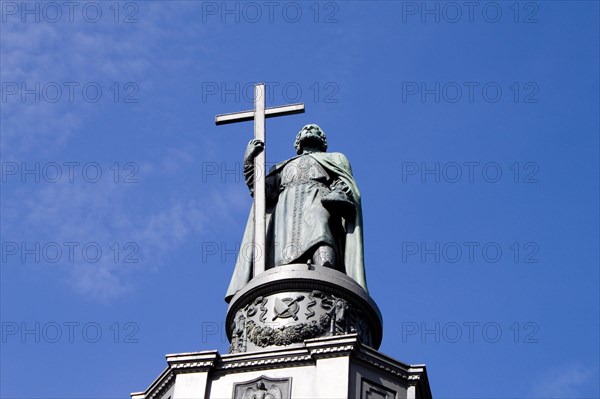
point(259, 114)
point(259, 182)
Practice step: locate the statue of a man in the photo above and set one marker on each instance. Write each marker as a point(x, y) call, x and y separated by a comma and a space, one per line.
point(262, 392)
point(313, 212)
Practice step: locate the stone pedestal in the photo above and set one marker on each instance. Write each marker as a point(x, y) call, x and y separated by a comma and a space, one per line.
point(331, 367)
point(299, 332)
point(287, 305)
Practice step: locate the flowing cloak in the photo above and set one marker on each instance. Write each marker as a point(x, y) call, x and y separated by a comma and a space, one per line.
point(338, 166)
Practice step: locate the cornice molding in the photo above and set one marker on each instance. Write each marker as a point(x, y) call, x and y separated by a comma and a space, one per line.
point(305, 354)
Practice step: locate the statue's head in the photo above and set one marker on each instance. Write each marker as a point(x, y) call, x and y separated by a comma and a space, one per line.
point(310, 136)
point(261, 386)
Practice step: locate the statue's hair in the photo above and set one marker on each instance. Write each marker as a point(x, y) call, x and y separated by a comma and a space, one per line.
point(320, 132)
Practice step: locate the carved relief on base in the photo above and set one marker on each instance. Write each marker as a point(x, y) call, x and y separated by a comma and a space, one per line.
point(263, 388)
point(292, 317)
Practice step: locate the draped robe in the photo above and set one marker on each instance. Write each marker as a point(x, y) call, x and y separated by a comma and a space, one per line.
point(297, 222)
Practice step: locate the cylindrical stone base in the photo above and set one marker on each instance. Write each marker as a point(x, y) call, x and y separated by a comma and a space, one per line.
point(289, 304)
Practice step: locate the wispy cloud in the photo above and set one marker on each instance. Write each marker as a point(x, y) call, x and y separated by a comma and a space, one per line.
point(80, 52)
point(564, 383)
point(105, 216)
point(106, 52)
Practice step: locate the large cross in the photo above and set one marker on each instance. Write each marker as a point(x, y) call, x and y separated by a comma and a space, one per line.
point(258, 114)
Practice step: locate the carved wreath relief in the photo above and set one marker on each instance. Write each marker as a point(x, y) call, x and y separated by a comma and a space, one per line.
point(287, 318)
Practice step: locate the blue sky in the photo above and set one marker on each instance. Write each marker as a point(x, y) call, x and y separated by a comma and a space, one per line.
point(473, 135)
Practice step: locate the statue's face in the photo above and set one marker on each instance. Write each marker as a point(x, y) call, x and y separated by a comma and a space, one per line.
point(311, 136)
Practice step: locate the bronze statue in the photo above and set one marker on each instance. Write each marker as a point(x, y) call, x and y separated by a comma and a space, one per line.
point(313, 212)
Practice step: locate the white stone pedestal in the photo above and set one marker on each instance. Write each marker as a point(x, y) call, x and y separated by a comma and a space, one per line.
point(327, 368)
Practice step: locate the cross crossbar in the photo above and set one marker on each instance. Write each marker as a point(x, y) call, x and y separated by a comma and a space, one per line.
point(244, 116)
